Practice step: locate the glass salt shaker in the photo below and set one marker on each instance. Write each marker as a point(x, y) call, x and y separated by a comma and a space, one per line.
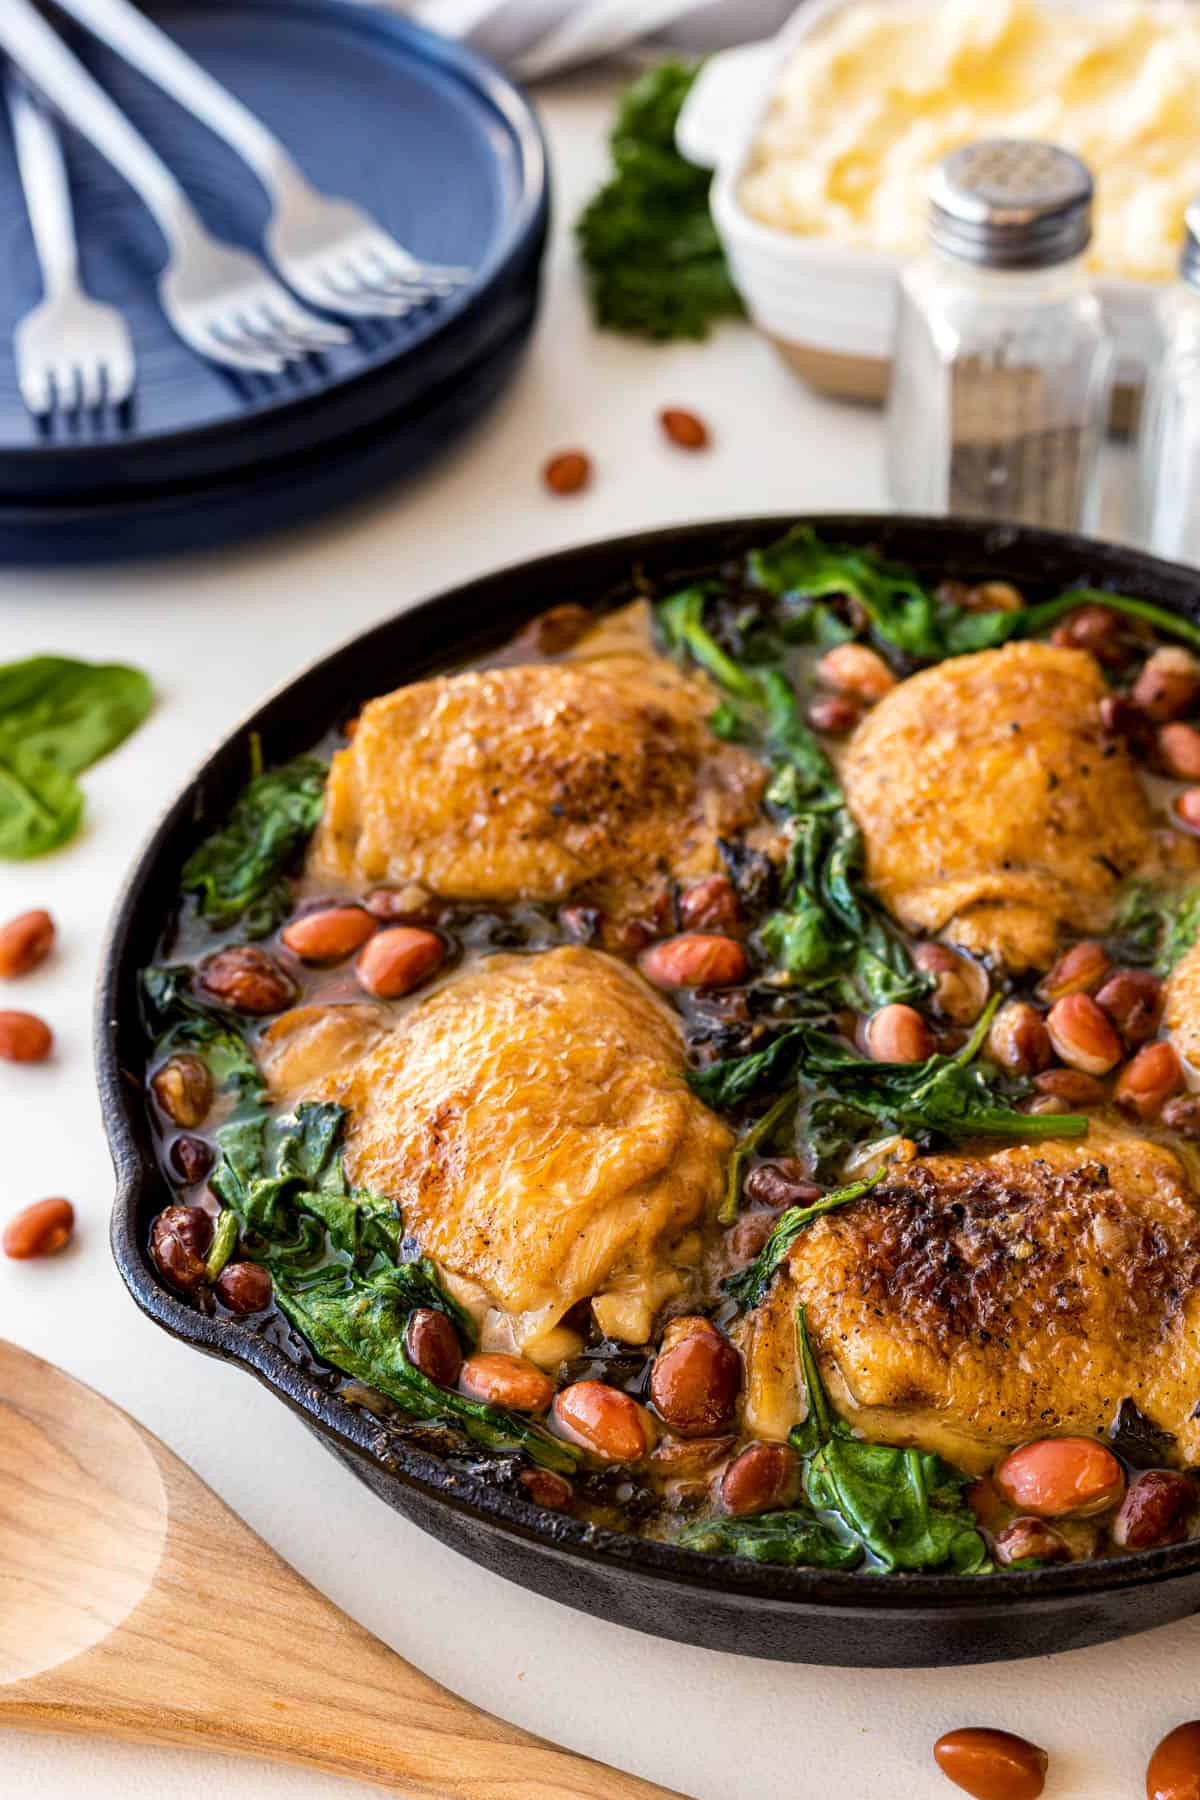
point(1003, 367)
point(1169, 484)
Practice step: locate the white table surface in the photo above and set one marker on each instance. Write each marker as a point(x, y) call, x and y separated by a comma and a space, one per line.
point(215, 631)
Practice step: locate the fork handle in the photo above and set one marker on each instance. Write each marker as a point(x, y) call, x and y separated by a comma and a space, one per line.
point(47, 191)
point(128, 31)
point(41, 55)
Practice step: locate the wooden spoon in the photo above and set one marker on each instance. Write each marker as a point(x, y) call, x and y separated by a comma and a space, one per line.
point(137, 1605)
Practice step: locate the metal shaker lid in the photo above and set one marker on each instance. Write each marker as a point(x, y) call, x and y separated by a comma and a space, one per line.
point(1007, 203)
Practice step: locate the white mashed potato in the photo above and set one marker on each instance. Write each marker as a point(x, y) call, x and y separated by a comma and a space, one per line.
point(873, 99)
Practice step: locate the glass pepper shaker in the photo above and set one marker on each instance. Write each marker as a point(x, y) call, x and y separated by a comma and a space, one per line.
point(1003, 367)
point(1169, 474)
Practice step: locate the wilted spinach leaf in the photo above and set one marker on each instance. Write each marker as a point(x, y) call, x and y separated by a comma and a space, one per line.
point(357, 1324)
point(792, 1539)
point(285, 1178)
point(58, 716)
point(178, 1020)
point(1157, 926)
point(239, 873)
point(904, 1506)
point(749, 1286)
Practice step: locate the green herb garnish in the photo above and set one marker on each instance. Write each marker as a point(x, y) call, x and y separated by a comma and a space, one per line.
point(239, 873)
point(654, 262)
point(905, 1507)
point(57, 718)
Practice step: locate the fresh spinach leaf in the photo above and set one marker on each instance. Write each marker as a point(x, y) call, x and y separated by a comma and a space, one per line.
point(357, 1324)
point(792, 1539)
point(239, 873)
point(756, 1138)
point(178, 1020)
point(651, 254)
point(224, 1243)
point(58, 716)
point(749, 1286)
point(905, 1507)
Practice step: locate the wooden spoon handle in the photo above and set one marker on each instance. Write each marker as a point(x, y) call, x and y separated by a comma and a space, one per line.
point(195, 1632)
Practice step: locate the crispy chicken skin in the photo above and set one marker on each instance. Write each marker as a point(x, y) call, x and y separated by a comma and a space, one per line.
point(595, 777)
point(532, 1119)
point(994, 809)
point(1181, 1009)
point(976, 1301)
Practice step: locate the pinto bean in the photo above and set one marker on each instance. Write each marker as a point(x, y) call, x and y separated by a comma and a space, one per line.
point(695, 1379)
point(432, 1346)
point(1059, 1477)
point(992, 1765)
point(330, 934)
point(1030, 1540)
point(961, 992)
point(712, 905)
point(834, 714)
point(1187, 808)
point(1018, 1040)
point(191, 1158)
point(780, 1184)
point(183, 1088)
point(1071, 1086)
point(1169, 684)
point(568, 472)
point(24, 1038)
point(1079, 970)
point(1082, 1035)
point(1147, 1081)
point(857, 670)
point(547, 1489)
point(1183, 1115)
point(1097, 629)
point(606, 1421)
point(247, 979)
point(245, 1287)
point(898, 1034)
point(396, 961)
point(39, 1230)
point(1179, 748)
point(408, 905)
point(684, 428)
point(25, 942)
point(699, 959)
point(1133, 1000)
point(1156, 1510)
point(1174, 1768)
point(758, 1480)
point(179, 1242)
point(503, 1380)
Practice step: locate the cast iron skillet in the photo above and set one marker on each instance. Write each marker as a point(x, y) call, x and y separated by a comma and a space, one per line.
point(796, 1615)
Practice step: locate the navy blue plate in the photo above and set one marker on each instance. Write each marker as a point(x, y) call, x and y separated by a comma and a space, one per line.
point(432, 139)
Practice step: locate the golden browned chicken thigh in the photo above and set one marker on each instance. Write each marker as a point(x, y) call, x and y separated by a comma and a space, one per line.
point(532, 1119)
point(977, 1301)
point(595, 777)
point(993, 807)
point(1181, 1011)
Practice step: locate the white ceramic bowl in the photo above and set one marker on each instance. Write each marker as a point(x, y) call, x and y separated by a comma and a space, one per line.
point(829, 307)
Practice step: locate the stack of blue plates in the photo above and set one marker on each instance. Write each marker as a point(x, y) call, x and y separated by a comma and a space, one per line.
point(430, 137)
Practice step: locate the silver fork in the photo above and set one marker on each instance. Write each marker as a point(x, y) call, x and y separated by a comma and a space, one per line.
point(332, 252)
point(221, 301)
point(72, 352)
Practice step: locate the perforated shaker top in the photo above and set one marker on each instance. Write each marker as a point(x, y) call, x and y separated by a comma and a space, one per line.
point(1008, 203)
